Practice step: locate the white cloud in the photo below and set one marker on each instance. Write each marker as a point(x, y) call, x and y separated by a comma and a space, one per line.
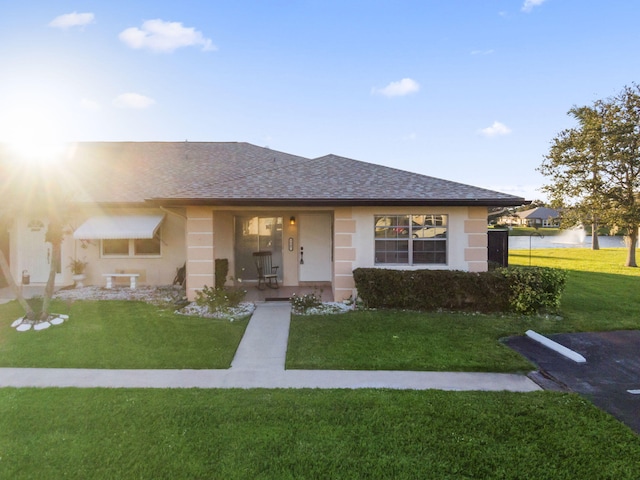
point(481, 52)
point(74, 19)
point(529, 4)
point(398, 89)
point(88, 104)
point(160, 36)
point(495, 130)
point(133, 100)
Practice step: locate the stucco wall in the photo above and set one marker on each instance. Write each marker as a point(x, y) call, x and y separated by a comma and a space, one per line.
point(355, 243)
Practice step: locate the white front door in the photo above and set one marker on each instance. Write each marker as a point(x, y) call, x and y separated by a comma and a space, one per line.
point(315, 248)
point(37, 258)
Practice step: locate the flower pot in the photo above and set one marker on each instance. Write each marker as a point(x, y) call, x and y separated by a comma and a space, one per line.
point(78, 278)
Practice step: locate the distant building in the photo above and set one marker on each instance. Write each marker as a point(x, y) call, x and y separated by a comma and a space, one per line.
point(539, 217)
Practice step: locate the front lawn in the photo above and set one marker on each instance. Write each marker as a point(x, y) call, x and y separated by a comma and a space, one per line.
point(601, 294)
point(119, 334)
point(311, 434)
point(397, 340)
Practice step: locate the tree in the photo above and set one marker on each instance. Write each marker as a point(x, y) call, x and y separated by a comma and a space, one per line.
point(35, 189)
point(595, 167)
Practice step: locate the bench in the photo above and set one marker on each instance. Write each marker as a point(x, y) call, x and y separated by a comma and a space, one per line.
point(267, 273)
point(133, 277)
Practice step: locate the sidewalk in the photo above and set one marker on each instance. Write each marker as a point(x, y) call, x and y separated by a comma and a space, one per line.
point(259, 363)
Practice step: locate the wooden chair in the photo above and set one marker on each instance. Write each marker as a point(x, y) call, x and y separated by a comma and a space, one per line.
point(267, 273)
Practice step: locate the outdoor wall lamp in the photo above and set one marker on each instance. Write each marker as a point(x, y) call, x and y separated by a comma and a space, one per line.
point(292, 220)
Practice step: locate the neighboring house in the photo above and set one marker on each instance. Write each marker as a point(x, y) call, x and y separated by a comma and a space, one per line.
point(540, 217)
point(151, 207)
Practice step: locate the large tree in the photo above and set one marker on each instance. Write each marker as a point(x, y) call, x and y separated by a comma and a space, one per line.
point(594, 167)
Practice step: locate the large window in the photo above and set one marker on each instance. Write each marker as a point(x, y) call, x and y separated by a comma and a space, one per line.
point(411, 239)
point(132, 247)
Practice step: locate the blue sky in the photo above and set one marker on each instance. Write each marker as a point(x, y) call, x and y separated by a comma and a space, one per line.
point(467, 90)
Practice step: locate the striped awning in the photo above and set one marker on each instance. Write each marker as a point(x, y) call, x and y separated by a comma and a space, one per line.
point(113, 227)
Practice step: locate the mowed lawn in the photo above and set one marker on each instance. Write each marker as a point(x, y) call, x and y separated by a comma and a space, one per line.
point(308, 434)
point(119, 334)
point(601, 294)
point(316, 434)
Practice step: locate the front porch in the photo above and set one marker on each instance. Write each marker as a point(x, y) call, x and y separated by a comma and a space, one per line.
point(322, 289)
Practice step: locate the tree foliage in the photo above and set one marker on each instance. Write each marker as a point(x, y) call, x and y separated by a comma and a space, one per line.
point(594, 167)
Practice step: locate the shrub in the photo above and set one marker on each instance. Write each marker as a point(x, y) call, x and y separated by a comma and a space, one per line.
point(300, 304)
point(500, 290)
point(431, 290)
point(221, 272)
point(534, 289)
point(219, 299)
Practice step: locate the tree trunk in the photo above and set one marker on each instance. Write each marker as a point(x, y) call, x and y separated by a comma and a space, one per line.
point(51, 281)
point(631, 253)
point(6, 271)
point(595, 244)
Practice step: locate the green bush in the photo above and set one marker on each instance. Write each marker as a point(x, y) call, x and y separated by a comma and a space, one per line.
point(534, 289)
point(300, 304)
point(221, 272)
point(519, 290)
point(219, 299)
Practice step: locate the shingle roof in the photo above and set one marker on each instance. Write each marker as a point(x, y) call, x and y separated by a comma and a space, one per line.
point(244, 174)
point(539, 212)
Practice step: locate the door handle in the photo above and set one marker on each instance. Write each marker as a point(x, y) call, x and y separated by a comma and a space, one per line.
point(301, 255)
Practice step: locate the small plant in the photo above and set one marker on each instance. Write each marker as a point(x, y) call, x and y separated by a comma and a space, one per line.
point(76, 266)
point(300, 304)
point(220, 299)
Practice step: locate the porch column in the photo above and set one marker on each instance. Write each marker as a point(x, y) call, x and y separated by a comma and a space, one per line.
point(200, 250)
point(475, 228)
point(344, 254)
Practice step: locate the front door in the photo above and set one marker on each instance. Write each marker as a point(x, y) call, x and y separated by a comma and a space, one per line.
point(315, 248)
point(37, 259)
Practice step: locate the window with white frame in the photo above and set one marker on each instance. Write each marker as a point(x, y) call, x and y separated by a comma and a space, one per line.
point(132, 247)
point(411, 239)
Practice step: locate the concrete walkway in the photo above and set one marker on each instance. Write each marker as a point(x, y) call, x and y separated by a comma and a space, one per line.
point(259, 363)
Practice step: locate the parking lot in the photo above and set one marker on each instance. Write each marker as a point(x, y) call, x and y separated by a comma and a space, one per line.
point(610, 378)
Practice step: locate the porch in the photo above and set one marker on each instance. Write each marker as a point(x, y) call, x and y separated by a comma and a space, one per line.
point(322, 289)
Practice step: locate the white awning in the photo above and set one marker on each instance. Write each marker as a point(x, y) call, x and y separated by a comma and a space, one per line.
point(114, 227)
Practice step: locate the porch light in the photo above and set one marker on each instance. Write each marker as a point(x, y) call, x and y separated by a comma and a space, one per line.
point(292, 220)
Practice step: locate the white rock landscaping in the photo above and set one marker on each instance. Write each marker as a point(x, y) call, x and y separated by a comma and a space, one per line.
point(24, 325)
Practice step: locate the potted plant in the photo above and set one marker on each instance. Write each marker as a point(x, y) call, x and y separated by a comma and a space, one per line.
point(77, 268)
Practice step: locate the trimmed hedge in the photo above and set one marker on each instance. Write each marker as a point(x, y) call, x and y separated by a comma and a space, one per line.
point(520, 290)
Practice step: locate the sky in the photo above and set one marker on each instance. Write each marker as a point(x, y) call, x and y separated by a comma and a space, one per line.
point(472, 91)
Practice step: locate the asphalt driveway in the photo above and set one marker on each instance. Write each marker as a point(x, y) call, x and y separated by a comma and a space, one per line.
point(612, 369)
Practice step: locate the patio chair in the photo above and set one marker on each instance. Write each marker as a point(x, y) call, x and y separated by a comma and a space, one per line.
point(267, 273)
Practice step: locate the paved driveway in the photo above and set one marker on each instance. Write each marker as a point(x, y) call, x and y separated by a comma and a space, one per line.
point(611, 370)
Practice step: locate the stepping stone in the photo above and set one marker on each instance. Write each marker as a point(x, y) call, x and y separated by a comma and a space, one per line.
point(41, 326)
point(64, 317)
point(57, 321)
point(16, 323)
point(24, 327)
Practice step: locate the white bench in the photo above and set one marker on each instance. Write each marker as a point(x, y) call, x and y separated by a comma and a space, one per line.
point(133, 277)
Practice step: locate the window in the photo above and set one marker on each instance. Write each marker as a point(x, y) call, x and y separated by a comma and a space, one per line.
point(411, 239)
point(132, 247)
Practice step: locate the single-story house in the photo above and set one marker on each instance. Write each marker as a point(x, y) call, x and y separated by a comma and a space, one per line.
point(541, 217)
point(151, 207)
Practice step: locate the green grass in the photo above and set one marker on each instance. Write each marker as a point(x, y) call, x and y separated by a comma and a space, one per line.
point(311, 434)
point(601, 294)
point(397, 340)
point(119, 334)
